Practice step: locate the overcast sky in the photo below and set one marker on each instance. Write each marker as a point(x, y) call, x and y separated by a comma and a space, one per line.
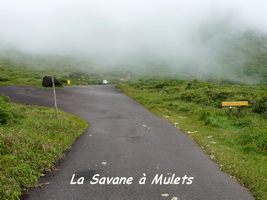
point(115, 25)
point(121, 30)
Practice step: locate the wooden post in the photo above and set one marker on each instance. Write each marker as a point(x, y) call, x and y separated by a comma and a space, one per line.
point(54, 91)
point(230, 110)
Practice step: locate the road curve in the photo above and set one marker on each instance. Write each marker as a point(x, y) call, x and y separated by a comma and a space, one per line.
point(125, 139)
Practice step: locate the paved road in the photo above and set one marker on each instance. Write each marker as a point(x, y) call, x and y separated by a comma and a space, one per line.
point(125, 139)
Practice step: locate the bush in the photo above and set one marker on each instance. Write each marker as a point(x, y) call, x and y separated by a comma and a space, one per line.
point(242, 123)
point(260, 106)
point(160, 86)
point(262, 143)
point(196, 97)
point(204, 116)
point(3, 79)
point(63, 80)
point(253, 141)
point(79, 75)
point(7, 112)
point(217, 96)
point(195, 84)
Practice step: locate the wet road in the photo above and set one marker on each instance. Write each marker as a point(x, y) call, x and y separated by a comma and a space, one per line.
point(125, 139)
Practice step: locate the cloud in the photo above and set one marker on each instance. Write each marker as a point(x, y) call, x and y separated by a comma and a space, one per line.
point(122, 31)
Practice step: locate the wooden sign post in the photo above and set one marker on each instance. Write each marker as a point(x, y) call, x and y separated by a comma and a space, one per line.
point(55, 96)
point(237, 104)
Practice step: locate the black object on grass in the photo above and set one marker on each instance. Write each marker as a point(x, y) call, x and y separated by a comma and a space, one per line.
point(47, 82)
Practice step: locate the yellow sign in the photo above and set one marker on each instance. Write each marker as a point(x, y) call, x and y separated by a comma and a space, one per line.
point(68, 82)
point(234, 103)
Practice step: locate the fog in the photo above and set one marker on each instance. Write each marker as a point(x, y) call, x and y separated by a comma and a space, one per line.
point(172, 35)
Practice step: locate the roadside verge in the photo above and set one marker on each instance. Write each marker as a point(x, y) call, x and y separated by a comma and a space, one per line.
point(32, 140)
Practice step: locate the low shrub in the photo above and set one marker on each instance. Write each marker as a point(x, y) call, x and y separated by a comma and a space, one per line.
point(7, 111)
point(260, 106)
point(253, 141)
point(3, 79)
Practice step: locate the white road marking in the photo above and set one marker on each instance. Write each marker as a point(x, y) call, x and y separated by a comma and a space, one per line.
point(104, 163)
point(165, 195)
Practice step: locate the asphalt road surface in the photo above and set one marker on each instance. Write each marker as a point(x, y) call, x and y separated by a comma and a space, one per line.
point(125, 140)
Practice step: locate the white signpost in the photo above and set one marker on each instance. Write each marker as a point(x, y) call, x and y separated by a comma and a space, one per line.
point(54, 91)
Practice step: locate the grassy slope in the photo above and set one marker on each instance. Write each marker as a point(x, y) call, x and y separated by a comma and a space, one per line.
point(19, 76)
point(23, 69)
point(238, 145)
point(14, 72)
point(31, 141)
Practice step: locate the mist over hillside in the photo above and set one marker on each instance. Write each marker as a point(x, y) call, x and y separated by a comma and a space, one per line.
point(185, 39)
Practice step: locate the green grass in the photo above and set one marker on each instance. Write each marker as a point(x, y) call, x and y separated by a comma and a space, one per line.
point(21, 72)
point(11, 74)
point(238, 145)
point(19, 76)
point(32, 139)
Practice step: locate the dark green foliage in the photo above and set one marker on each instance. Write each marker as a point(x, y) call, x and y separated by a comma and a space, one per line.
point(159, 86)
point(204, 115)
point(196, 97)
point(253, 141)
point(7, 111)
point(63, 80)
point(260, 106)
point(242, 123)
point(194, 85)
point(3, 79)
point(79, 75)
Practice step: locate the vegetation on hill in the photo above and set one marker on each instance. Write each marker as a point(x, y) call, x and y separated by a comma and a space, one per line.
point(14, 73)
point(32, 139)
point(237, 144)
point(217, 52)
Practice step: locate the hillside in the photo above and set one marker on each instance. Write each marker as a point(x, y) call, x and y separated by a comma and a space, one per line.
point(219, 53)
